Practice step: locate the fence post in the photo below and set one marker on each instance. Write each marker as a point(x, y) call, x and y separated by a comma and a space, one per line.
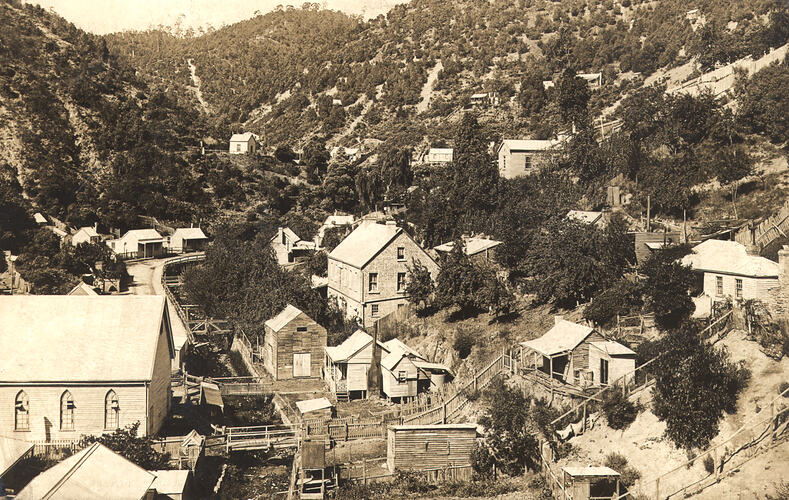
point(444, 413)
point(773, 422)
point(583, 424)
point(364, 471)
point(715, 463)
point(657, 489)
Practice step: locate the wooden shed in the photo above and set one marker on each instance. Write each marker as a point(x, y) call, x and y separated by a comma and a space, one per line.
point(585, 483)
point(425, 447)
point(294, 345)
point(315, 408)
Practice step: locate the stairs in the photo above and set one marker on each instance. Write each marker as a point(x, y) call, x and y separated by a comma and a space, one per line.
point(343, 396)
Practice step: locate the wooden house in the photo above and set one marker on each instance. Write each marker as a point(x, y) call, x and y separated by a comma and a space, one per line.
point(578, 355)
point(439, 156)
point(243, 143)
point(478, 248)
point(725, 269)
point(346, 365)
point(87, 234)
point(294, 345)
point(83, 365)
point(586, 483)
point(138, 243)
point(406, 373)
point(175, 485)
point(517, 158)
point(12, 453)
point(647, 242)
point(368, 270)
point(425, 447)
point(188, 239)
point(289, 248)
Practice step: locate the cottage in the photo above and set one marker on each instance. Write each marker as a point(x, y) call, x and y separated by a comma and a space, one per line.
point(315, 408)
point(426, 447)
point(440, 155)
point(346, 365)
point(83, 365)
point(594, 80)
point(333, 221)
point(94, 473)
point(188, 239)
point(289, 247)
point(406, 373)
point(578, 355)
point(586, 483)
point(725, 270)
point(294, 345)
point(368, 270)
point(243, 143)
point(138, 243)
point(647, 242)
point(85, 234)
point(517, 158)
point(478, 248)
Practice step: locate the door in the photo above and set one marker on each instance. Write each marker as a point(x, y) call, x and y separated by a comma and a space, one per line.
point(301, 364)
point(603, 372)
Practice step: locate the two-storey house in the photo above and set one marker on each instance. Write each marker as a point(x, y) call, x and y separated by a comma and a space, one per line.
point(368, 270)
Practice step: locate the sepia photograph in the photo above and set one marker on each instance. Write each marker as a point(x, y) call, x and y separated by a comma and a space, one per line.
point(394, 249)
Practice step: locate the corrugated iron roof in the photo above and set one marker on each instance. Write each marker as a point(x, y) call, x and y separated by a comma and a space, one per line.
point(283, 318)
point(563, 337)
point(359, 247)
point(613, 348)
point(353, 344)
point(729, 257)
point(309, 405)
point(11, 451)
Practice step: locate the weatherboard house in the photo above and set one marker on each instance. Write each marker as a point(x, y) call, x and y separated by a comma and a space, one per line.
point(293, 345)
point(517, 157)
point(139, 243)
point(579, 355)
point(368, 270)
point(83, 365)
point(243, 143)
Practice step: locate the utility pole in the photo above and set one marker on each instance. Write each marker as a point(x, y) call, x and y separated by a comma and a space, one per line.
point(649, 206)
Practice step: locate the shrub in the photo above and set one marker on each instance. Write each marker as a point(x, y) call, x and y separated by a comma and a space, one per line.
point(783, 387)
point(619, 411)
point(465, 338)
point(628, 474)
point(709, 464)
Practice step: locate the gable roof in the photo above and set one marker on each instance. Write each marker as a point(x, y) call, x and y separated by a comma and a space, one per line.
point(364, 243)
point(350, 346)
point(242, 137)
point(283, 318)
point(480, 95)
point(613, 348)
point(563, 337)
point(729, 257)
point(88, 230)
point(59, 338)
point(190, 233)
point(441, 151)
point(590, 471)
point(170, 482)
point(83, 289)
point(474, 245)
point(395, 344)
point(516, 145)
point(141, 235)
point(12, 451)
point(94, 473)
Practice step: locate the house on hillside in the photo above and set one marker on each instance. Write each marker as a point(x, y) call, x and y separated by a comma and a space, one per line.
point(346, 365)
point(289, 247)
point(315, 408)
point(243, 143)
point(333, 221)
point(87, 234)
point(138, 243)
point(484, 99)
point(83, 365)
point(590, 482)
point(351, 153)
point(517, 157)
point(725, 269)
point(368, 270)
point(406, 373)
point(439, 156)
point(594, 80)
point(294, 345)
point(188, 239)
point(578, 355)
point(648, 242)
point(431, 447)
point(94, 473)
point(586, 217)
point(478, 248)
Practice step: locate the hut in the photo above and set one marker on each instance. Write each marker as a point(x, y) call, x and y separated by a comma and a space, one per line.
point(315, 408)
point(294, 345)
point(430, 447)
point(406, 373)
point(585, 483)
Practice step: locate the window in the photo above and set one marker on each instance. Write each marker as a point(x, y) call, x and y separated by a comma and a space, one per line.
point(401, 376)
point(21, 412)
point(400, 282)
point(738, 288)
point(238, 147)
point(284, 238)
point(527, 163)
point(111, 410)
point(66, 412)
point(400, 253)
point(301, 329)
point(373, 282)
point(374, 309)
point(719, 286)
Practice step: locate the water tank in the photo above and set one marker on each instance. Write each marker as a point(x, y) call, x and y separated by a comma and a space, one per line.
point(437, 381)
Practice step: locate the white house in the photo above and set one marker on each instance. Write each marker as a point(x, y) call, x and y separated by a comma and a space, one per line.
point(726, 270)
point(440, 155)
point(330, 222)
point(75, 365)
point(138, 243)
point(243, 143)
point(288, 246)
point(478, 248)
point(85, 234)
point(188, 239)
point(518, 157)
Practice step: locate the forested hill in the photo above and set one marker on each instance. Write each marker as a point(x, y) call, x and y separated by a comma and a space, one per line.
point(82, 137)
point(272, 73)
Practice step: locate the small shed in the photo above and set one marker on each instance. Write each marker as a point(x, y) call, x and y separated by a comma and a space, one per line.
point(585, 483)
point(174, 485)
point(294, 345)
point(426, 447)
point(243, 143)
point(315, 408)
point(188, 239)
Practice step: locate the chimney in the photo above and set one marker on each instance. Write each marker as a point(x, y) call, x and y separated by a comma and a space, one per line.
point(783, 266)
point(558, 319)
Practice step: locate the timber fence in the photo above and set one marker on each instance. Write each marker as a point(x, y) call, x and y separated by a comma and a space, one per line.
point(358, 472)
point(758, 434)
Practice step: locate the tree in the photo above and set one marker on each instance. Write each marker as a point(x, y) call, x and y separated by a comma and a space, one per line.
point(315, 159)
point(573, 98)
point(459, 281)
point(127, 443)
point(695, 383)
point(339, 186)
point(619, 299)
point(419, 286)
point(666, 288)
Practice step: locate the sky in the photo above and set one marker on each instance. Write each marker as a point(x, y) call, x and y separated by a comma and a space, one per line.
point(108, 16)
